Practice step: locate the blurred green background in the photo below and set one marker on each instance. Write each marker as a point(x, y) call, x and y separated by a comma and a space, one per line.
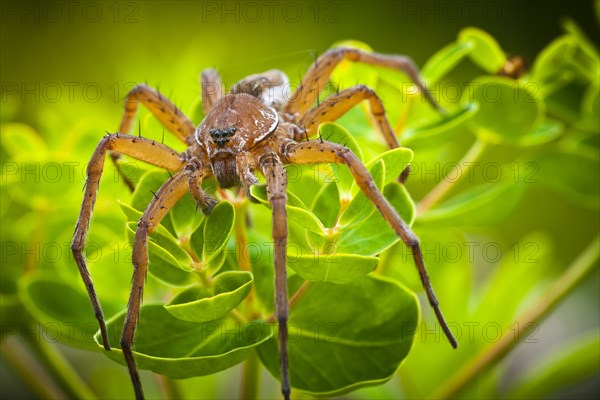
point(66, 66)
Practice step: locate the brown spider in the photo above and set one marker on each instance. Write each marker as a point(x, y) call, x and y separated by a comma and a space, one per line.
point(250, 129)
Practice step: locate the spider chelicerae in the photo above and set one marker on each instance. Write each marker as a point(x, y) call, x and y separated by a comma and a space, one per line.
point(257, 126)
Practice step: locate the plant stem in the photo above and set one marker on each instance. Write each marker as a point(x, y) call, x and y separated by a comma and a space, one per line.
point(169, 387)
point(492, 354)
point(251, 378)
point(31, 372)
point(61, 370)
point(239, 232)
point(241, 240)
point(462, 169)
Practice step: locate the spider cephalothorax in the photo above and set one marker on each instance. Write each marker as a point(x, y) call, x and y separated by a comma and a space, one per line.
point(244, 132)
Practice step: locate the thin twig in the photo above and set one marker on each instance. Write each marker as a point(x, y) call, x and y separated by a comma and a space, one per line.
point(443, 188)
point(31, 372)
point(61, 370)
point(251, 377)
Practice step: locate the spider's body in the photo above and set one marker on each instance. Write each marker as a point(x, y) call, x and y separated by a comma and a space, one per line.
point(234, 127)
point(256, 128)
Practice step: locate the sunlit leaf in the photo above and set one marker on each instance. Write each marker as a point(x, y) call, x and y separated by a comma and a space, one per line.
point(445, 59)
point(441, 129)
point(483, 205)
point(328, 335)
point(296, 210)
point(165, 246)
point(361, 207)
point(486, 51)
point(218, 228)
point(573, 174)
point(200, 304)
point(334, 268)
point(373, 235)
point(519, 104)
point(67, 317)
point(181, 349)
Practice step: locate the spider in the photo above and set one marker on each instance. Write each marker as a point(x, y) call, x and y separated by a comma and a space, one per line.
point(251, 128)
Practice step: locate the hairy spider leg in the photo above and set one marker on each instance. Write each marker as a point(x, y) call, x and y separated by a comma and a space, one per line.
point(166, 112)
point(337, 105)
point(163, 109)
point(142, 149)
point(319, 72)
point(276, 178)
point(212, 89)
point(317, 152)
point(166, 197)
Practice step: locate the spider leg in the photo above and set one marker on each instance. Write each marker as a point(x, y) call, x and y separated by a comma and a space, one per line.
point(316, 152)
point(166, 112)
point(337, 105)
point(212, 88)
point(116, 160)
point(276, 179)
point(272, 87)
point(165, 199)
point(140, 148)
point(318, 74)
point(204, 201)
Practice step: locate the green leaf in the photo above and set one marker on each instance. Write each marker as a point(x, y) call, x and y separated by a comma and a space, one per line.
point(361, 207)
point(547, 131)
point(572, 174)
point(440, 129)
point(590, 109)
point(520, 105)
point(394, 162)
point(186, 216)
point(335, 133)
point(587, 59)
point(444, 60)
point(327, 335)
point(217, 230)
point(486, 52)
point(165, 273)
point(572, 363)
point(373, 235)
point(552, 60)
point(181, 349)
point(131, 213)
point(326, 205)
point(162, 244)
point(334, 268)
point(199, 304)
point(296, 210)
point(64, 310)
point(483, 205)
point(150, 182)
point(158, 267)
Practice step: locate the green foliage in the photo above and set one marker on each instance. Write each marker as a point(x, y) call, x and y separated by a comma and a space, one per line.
point(354, 317)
